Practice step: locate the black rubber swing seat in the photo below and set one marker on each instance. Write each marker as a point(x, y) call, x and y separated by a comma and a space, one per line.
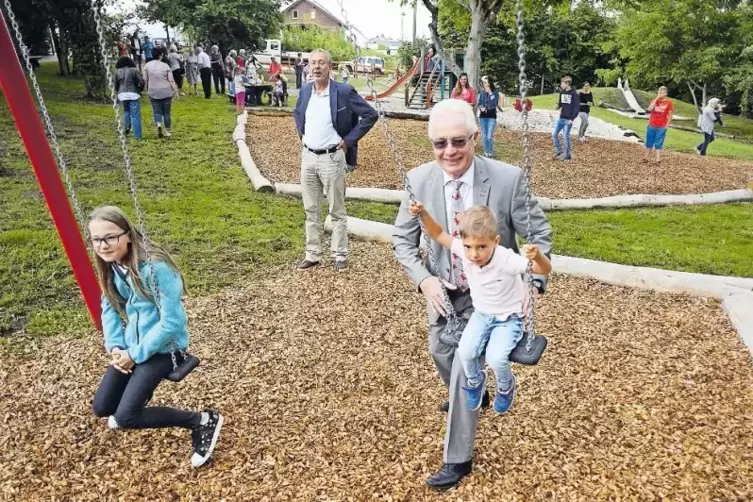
point(520, 354)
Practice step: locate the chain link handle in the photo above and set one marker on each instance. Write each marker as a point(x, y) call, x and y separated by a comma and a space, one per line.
point(451, 315)
point(523, 81)
point(151, 280)
point(47, 121)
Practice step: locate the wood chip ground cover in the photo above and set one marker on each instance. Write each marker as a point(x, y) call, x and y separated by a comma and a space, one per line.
point(600, 167)
point(329, 394)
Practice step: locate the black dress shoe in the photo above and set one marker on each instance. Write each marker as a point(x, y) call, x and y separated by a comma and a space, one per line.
point(445, 407)
point(306, 264)
point(449, 475)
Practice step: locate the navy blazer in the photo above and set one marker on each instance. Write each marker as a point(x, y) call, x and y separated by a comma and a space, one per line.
point(352, 116)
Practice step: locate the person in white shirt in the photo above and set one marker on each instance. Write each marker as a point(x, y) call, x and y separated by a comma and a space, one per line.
point(331, 118)
point(494, 276)
point(205, 70)
point(456, 180)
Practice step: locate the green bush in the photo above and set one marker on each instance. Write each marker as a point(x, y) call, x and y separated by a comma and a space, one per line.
point(298, 38)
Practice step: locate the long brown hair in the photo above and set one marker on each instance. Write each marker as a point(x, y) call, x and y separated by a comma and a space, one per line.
point(131, 260)
point(459, 87)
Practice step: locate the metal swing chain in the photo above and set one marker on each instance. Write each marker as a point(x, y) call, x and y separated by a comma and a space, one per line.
point(449, 309)
point(522, 79)
point(48, 122)
point(348, 26)
point(129, 169)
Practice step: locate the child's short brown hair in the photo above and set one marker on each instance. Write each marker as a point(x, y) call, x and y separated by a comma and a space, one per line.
point(478, 221)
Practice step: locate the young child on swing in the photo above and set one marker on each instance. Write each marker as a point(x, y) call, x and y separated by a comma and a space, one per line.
point(141, 348)
point(498, 294)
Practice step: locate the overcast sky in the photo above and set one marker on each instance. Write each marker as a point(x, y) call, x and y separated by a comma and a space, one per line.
point(371, 17)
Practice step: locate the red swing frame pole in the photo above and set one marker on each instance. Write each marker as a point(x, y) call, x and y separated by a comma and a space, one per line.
point(13, 83)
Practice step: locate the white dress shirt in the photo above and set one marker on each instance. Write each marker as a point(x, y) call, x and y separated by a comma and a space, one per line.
point(204, 61)
point(319, 132)
point(466, 192)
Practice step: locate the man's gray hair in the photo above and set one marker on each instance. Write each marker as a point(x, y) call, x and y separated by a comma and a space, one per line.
point(325, 52)
point(457, 107)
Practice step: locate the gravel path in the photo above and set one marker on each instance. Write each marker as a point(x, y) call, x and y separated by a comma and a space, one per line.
point(329, 394)
point(600, 167)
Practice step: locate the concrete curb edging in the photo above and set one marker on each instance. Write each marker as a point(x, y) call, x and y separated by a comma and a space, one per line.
point(615, 201)
point(735, 293)
point(260, 183)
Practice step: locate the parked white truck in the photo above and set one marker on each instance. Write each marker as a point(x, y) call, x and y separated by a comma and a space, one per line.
point(274, 48)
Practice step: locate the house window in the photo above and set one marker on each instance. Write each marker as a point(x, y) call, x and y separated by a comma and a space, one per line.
point(295, 14)
point(313, 14)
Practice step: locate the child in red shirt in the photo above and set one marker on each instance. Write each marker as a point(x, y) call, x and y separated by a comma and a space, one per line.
point(660, 116)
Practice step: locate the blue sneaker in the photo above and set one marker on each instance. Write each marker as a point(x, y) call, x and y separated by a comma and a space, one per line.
point(475, 395)
point(503, 401)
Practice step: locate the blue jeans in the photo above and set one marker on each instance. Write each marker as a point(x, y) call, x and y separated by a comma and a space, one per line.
point(655, 137)
point(565, 126)
point(498, 338)
point(161, 109)
point(132, 116)
point(487, 133)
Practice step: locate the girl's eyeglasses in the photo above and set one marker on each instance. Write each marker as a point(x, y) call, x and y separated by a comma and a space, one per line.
point(110, 240)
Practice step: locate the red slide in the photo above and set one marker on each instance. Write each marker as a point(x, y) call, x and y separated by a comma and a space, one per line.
point(397, 84)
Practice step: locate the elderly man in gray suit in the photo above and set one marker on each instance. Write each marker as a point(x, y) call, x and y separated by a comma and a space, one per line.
point(459, 176)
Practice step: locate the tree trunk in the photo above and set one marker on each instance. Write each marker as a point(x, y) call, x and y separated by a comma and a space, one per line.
point(473, 52)
point(60, 52)
point(167, 32)
point(542, 83)
point(434, 30)
point(695, 101)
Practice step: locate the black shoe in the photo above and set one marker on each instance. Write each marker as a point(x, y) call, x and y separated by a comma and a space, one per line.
point(485, 402)
point(449, 475)
point(306, 264)
point(205, 438)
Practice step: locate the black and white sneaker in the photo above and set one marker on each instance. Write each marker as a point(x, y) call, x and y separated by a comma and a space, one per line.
point(205, 438)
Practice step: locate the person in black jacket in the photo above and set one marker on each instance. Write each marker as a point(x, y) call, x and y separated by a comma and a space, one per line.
point(569, 106)
point(586, 101)
point(128, 85)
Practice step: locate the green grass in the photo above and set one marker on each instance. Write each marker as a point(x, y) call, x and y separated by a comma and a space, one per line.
point(198, 202)
point(681, 141)
point(704, 239)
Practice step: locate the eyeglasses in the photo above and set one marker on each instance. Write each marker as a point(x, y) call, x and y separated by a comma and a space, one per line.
point(441, 144)
point(110, 240)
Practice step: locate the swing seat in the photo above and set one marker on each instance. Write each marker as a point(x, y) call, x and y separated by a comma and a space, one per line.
point(529, 358)
point(186, 366)
point(452, 333)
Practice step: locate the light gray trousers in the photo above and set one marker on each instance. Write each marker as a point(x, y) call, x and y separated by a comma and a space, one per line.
point(324, 176)
point(461, 422)
point(583, 124)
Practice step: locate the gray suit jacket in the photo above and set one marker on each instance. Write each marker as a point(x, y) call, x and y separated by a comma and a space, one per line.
point(497, 185)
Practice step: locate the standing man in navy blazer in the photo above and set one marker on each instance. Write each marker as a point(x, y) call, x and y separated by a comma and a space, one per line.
point(331, 118)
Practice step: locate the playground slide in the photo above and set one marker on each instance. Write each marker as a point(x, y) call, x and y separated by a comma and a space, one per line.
point(632, 102)
point(391, 89)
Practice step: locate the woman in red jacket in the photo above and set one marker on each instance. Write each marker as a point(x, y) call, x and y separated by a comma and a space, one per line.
point(464, 91)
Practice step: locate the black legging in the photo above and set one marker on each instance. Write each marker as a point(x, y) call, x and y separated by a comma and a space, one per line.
point(178, 77)
point(219, 78)
point(125, 397)
point(206, 81)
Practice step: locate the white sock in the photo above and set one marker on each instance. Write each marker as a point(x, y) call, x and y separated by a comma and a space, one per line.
point(204, 418)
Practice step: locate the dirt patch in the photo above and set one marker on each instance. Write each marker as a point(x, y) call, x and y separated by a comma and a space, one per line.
point(330, 394)
point(599, 168)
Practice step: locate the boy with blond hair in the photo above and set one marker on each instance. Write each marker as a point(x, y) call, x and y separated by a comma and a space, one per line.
point(494, 275)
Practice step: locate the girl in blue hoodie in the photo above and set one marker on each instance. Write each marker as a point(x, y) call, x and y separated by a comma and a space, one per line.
point(139, 335)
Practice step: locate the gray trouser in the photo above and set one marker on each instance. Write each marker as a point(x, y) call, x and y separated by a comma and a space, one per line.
point(324, 176)
point(583, 124)
point(461, 422)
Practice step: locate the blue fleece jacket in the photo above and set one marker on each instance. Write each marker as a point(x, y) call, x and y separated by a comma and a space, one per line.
point(146, 332)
